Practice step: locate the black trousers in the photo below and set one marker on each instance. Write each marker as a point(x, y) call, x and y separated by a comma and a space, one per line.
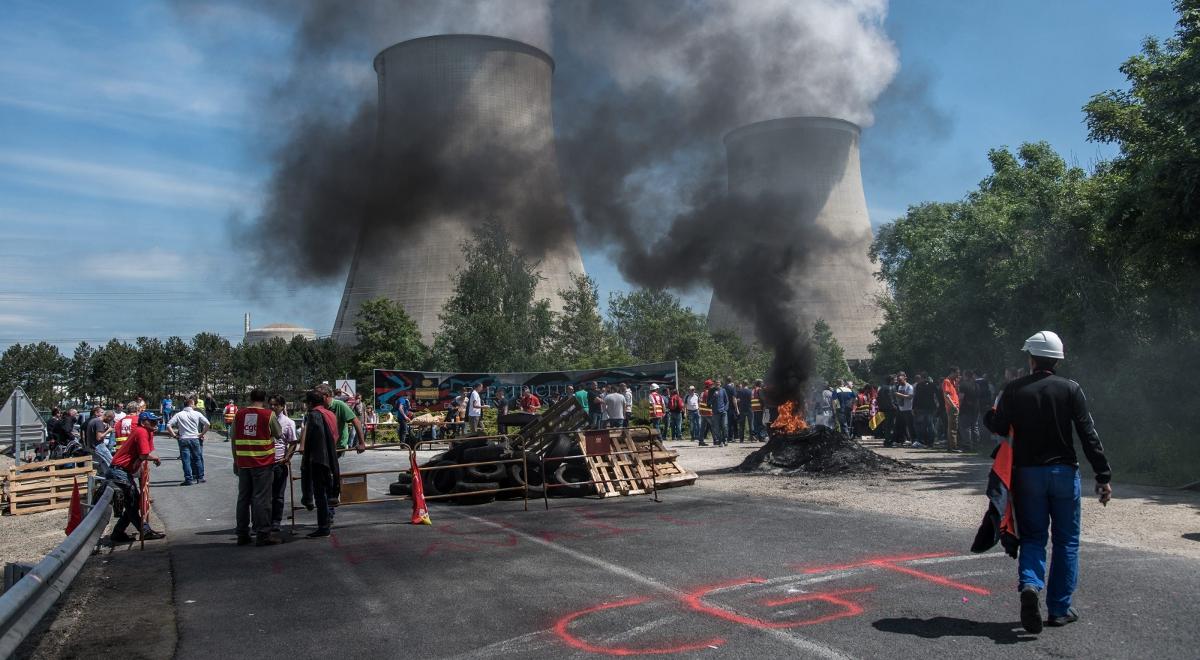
point(903, 430)
point(281, 475)
point(132, 514)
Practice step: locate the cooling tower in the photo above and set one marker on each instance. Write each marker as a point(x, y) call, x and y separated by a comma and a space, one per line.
point(475, 110)
point(812, 164)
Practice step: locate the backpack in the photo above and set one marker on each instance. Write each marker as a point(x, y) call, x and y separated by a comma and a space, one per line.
point(676, 404)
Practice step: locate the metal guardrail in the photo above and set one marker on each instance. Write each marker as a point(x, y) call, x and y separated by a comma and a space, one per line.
point(24, 605)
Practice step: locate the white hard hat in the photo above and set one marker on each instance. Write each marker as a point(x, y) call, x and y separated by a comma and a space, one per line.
point(1044, 344)
point(654, 386)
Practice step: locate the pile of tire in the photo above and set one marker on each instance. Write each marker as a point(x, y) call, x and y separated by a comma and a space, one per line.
point(568, 478)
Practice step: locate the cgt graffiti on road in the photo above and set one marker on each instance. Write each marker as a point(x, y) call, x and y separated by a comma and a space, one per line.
point(792, 607)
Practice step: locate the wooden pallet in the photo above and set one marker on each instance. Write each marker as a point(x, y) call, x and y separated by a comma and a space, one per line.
point(663, 462)
point(566, 416)
point(621, 474)
point(44, 485)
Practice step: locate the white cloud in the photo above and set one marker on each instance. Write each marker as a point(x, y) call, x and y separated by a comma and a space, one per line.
point(156, 266)
point(170, 183)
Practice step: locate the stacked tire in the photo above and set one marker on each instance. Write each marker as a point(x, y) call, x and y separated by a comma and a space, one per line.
point(569, 478)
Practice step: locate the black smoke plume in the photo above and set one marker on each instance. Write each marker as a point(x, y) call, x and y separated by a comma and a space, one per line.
point(644, 92)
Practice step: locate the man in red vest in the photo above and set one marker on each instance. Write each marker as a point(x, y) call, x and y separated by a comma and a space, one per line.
point(253, 435)
point(230, 413)
point(658, 409)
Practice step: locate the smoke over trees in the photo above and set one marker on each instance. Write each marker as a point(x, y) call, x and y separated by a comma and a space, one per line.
point(643, 93)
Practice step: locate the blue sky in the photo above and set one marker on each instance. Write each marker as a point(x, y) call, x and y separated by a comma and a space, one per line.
point(125, 147)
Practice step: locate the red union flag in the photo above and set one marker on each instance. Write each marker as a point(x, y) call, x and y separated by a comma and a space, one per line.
point(420, 514)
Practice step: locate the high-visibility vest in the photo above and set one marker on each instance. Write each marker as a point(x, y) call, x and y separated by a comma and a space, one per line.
point(123, 428)
point(231, 411)
point(755, 400)
point(705, 409)
point(251, 434)
point(657, 409)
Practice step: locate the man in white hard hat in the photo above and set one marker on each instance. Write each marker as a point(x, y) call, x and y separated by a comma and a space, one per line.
point(1039, 410)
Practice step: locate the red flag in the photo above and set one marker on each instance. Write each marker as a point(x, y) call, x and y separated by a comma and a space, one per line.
point(75, 515)
point(145, 488)
point(420, 514)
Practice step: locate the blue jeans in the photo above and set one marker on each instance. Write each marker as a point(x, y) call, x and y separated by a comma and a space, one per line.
point(719, 428)
point(192, 458)
point(1047, 505)
point(694, 422)
point(676, 425)
point(597, 420)
point(102, 457)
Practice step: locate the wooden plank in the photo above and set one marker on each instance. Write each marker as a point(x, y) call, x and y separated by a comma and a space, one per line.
point(17, 511)
point(38, 465)
point(60, 473)
point(15, 489)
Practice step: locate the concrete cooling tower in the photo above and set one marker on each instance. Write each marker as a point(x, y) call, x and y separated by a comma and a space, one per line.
point(812, 164)
point(477, 108)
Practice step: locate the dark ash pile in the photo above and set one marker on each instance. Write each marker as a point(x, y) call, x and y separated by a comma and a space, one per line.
point(818, 451)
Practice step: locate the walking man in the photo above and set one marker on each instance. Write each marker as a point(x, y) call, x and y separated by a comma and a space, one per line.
point(254, 432)
point(188, 426)
point(1041, 410)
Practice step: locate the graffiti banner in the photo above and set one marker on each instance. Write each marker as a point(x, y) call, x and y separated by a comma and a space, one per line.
point(431, 389)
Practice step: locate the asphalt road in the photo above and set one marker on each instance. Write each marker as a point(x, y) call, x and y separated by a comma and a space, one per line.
point(698, 574)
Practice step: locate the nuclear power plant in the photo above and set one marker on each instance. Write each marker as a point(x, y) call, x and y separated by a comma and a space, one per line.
point(812, 163)
point(481, 106)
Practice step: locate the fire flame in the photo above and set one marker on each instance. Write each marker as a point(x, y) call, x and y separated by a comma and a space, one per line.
point(790, 419)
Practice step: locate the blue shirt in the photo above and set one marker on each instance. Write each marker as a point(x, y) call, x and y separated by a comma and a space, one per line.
point(720, 402)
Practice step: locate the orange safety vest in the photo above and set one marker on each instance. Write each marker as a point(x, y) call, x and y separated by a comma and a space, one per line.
point(755, 401)
point(124, 428)
point(231, 411)
point(252, 443)
point(657, 408)
point(705, 409)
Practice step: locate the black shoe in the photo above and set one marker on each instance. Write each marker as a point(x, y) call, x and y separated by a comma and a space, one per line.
point(320, 533)
point(268, 539)
point(203, 480)
point(151, 535)
point(244, 540)
point(121, 537)
point(1031, 610)
point(187, 483)
point(307, 504)
point(1059, 621)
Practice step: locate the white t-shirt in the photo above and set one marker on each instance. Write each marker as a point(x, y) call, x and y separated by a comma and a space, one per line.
point(906, 402)
point(693, 401)
point(628, 401)
point(614, 405)
point(475, 407)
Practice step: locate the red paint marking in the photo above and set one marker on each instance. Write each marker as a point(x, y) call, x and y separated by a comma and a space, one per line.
point(892, 564)
point(560, 629)
point(676, 521)
point(547, 535)
point(695, 601)
point(870, 562)
point(333, 540)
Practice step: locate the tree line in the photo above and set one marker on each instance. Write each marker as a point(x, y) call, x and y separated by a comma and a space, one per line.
point(493, 322)
point(1109, 258)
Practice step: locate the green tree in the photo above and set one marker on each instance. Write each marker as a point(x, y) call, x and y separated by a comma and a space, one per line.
point(493, 322)
point(178, 357)
point(115, 366)
point(830, 358)
point(150, 374)
point(210, 364)
point(38, 369)
point(654, 325)
point(578, 338)
point(80, 384)
point(387, 338)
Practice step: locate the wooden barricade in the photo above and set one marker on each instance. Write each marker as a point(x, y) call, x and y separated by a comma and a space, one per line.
point(44, 485)
point(631, 461)
point(566, 416)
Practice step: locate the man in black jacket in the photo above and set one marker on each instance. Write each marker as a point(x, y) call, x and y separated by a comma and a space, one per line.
point(1040, 410)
